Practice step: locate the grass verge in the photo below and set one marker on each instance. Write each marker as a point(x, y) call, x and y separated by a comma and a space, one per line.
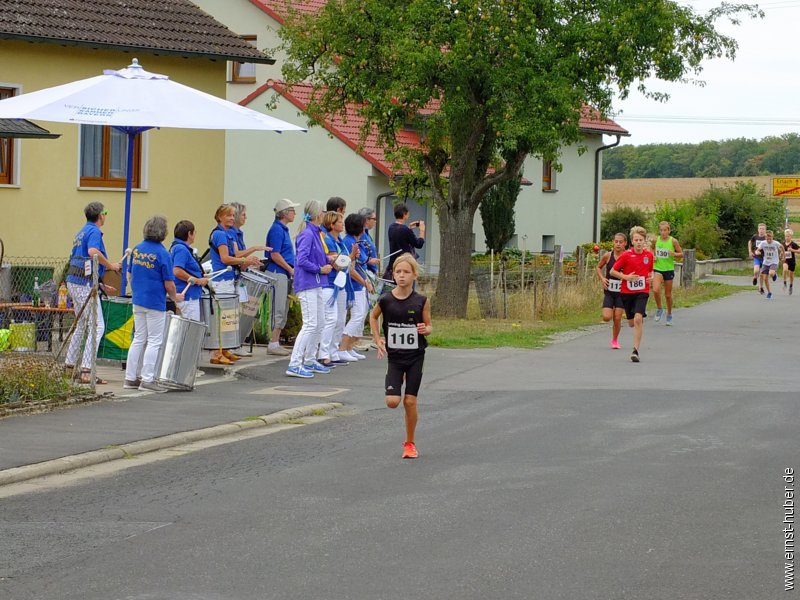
point(495, 333)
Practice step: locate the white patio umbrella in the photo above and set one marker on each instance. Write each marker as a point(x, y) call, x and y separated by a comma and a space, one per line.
point(133, 100)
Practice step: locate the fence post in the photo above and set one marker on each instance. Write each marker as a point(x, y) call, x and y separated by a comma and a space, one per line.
point(556, 266)
point(485, 291)
point(504, 284)
point(687, 271)
point(581, 266)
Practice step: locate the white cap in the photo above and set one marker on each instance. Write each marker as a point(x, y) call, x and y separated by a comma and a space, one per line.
point(283, 204)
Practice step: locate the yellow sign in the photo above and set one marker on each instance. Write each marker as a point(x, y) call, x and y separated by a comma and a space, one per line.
point(786, 187)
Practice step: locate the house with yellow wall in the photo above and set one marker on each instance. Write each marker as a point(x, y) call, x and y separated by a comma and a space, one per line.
point(45, 183)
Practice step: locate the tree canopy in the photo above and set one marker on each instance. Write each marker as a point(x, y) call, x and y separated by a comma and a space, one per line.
point(741, 157)
point(489, 82)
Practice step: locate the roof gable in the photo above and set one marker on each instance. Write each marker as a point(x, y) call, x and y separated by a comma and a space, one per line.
point(175, 27)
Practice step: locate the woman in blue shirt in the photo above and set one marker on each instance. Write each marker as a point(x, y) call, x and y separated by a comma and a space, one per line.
point(187, 270)
point(151, 277)
point(354, 226)
point(334, 297)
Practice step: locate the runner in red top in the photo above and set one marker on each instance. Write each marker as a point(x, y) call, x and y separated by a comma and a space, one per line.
point(635, 269)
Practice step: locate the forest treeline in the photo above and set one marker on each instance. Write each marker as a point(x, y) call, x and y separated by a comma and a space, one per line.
point(739, 157)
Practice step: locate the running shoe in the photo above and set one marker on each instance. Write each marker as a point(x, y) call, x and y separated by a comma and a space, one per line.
point(669, 319)
point(299, 372)
point(131, 384)
point(761, 291)
point(769, 296)
point(784, 284)
point(775, 277)
point(410, 450)
point(755, 280)
point(345, 355)
point(339, 363)
point(659, 312)
point(357, 355)
point(316, 367)
point(635, 355)
point(151, 386)
point(615, 344)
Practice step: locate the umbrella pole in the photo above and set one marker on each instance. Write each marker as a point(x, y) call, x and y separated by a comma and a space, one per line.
point(132, 133)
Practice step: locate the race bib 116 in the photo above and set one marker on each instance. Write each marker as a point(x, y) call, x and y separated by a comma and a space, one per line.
point(402, 338)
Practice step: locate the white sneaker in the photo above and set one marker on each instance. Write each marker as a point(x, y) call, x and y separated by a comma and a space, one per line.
point(357, 355)
point(348, 356)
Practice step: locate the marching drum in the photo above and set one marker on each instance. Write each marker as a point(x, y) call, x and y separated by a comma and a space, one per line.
point(176, 366)
point(257, 284)
point(220, 313)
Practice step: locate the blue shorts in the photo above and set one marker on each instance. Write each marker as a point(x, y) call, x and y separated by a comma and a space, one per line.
point(756, 261)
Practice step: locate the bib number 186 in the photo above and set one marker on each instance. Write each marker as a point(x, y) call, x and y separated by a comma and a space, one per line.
point(636, 284)
point(403, 338)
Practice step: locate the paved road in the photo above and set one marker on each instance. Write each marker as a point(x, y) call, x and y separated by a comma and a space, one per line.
point(566, 472)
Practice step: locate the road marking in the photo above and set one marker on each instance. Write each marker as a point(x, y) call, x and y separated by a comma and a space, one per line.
point(300, 390)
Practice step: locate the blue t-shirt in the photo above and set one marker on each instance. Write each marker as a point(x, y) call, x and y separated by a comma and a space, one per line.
point(182, 257)
point(349, 241)
point(151, 266)
point(372, 250)
point(222, 237)
point(89, 236)
point(280, 241)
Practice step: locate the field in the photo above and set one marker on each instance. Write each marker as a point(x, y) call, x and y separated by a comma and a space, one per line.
point(646, 193)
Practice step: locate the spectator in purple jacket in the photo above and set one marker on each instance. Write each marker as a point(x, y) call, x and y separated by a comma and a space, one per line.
point(310, 269)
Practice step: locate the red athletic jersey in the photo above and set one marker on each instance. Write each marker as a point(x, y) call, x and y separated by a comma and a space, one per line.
point(638, 264)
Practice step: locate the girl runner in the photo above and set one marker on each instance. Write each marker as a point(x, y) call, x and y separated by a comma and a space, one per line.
point(790, 248)
point(406, 322)
point(612, 301)
point(667, 249)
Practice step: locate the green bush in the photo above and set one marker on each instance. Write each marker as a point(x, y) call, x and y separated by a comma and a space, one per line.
point(620, 220)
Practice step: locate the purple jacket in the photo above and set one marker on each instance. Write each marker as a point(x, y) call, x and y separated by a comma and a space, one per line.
point(310, 257)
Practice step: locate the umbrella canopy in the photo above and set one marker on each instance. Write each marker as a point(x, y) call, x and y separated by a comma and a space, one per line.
point(133, 97)
point(134, 100)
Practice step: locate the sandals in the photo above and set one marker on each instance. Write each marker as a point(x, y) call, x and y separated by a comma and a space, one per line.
point(86, 378)
point(230, 356)
point(220, 360)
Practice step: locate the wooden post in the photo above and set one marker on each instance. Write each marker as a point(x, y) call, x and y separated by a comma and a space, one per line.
point(581, 266)
point(687, 271)
point(556, 266)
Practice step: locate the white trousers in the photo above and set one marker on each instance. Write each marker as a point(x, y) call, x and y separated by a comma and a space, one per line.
point(147, 337)
point(334, 322)
point(358, 312)
point(190, 309)
point(79, 294)
point(312, 308)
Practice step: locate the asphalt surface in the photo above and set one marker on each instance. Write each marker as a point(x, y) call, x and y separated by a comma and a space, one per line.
point(566, 472)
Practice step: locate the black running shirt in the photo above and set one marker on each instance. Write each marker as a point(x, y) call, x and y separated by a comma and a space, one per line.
point(400, 319)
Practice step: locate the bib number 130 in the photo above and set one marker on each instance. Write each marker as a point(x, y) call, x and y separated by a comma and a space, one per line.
point(403, 338)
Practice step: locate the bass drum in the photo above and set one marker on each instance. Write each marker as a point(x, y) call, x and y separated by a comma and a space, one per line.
point(257, 285)
point(176, 366)
point(220, 314)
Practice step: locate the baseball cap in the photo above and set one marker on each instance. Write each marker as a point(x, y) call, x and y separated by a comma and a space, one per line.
point(283, 204)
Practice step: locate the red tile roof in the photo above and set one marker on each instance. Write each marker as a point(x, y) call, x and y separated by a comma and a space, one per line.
point(279, 9)
point(175, 27)
point(349, 130)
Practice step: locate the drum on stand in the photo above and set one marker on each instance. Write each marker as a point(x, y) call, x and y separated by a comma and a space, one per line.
point(176, 366)
point(220, 313)
point(257, 284)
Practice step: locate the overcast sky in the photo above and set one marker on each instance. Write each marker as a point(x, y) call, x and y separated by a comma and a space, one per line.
point(755, 96)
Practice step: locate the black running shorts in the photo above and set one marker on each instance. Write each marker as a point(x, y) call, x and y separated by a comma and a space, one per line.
point(409, 369)
point(635, 303)
point(612, 299)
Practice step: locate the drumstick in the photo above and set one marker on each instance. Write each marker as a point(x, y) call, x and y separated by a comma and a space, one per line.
point(390, 255)
point(125, 254)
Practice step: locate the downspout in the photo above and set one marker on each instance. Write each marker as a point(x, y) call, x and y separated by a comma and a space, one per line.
point(378, 198)
point(595, 222)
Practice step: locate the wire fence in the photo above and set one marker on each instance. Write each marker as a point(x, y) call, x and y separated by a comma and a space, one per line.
point(40, 326)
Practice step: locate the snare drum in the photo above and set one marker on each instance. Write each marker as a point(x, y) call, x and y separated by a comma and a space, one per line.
point(257, 284)
point(176, 366)
point(221, 316)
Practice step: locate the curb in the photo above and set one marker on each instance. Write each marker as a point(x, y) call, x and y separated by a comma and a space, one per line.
point(131, 449)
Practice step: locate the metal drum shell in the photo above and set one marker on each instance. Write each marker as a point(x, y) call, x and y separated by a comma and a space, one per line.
point(176, 366)
point(221, 316)
point(257, 284)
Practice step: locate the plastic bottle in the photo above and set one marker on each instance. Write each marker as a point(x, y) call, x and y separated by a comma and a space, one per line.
point(35, 295)
point(62, 295)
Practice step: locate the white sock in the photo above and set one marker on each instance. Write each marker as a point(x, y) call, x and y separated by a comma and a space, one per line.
point(274, 345)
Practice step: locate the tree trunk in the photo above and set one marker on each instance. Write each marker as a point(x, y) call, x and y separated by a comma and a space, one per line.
point(452, 287)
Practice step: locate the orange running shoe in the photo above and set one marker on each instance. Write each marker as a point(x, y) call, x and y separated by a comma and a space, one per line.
point(410, 450)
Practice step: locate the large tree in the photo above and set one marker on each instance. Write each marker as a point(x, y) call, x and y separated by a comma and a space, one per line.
point(490, 82)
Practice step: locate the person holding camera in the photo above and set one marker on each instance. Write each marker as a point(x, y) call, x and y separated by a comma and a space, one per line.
point(402, 238)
